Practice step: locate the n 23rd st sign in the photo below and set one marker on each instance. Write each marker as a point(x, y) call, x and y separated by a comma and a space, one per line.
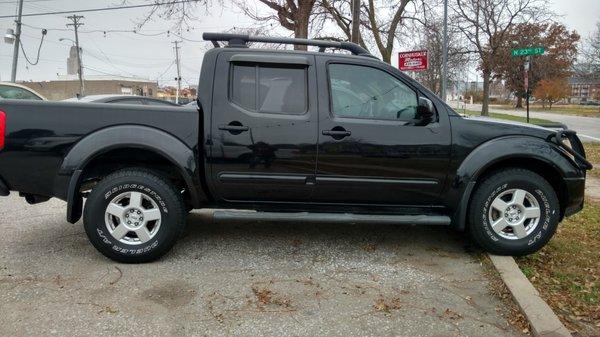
point(413, 60)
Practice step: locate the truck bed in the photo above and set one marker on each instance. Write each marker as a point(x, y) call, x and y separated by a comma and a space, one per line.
point(32, 157)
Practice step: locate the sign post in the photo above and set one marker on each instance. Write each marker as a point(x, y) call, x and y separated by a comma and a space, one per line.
point(527, 64)
point(527, 52)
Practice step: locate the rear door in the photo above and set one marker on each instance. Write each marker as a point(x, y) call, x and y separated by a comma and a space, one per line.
point(264, 127)
point(369, 152)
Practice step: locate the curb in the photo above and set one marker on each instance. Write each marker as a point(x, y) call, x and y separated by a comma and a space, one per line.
point(543, 321)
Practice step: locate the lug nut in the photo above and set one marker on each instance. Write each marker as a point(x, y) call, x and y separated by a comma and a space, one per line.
point(129, 222)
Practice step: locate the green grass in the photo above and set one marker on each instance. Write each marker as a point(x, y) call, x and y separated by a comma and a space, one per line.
point(508, 117)
point(592, 152)
point(577, 110)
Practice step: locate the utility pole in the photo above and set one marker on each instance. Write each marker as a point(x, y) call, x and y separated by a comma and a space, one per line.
point(76, 23)
point(355, 21)
point(15, 60)
point(178, 78)
point(445, 53)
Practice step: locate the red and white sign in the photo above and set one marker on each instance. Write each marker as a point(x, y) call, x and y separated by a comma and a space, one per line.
point(413, 60)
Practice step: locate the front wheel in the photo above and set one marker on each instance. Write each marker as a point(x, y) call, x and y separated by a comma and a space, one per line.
point(134, 216)
point(513, 212)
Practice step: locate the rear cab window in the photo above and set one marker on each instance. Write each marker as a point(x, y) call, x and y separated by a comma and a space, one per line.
point(269, 88)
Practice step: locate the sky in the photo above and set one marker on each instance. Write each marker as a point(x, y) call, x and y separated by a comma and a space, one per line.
point(152, 57)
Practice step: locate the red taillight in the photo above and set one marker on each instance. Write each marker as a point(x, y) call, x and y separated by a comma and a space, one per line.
point(2, 128)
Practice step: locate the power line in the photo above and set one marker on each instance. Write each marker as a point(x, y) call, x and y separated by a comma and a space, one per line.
point(98, 9)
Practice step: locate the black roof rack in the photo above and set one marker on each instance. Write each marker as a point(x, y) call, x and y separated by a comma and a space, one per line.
point(241, 40)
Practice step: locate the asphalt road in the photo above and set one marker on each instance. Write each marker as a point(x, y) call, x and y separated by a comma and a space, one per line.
point(588, 128)
point(243, 279)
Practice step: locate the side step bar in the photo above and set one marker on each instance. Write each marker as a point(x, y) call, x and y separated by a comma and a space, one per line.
point(226, 215)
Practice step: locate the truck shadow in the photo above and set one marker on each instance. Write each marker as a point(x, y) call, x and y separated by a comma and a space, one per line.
point(291, 236)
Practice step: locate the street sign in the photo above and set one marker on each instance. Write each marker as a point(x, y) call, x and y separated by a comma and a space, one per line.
point(413, 60)
point(527, 51)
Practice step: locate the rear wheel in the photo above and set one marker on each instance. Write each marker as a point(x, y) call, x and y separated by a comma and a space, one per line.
point(513, 212)
point(134, 215)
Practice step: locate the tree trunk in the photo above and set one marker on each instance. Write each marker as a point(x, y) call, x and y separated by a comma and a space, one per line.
point(485, 106)
point(519, 102)
point(301, 31)
point(386, 56)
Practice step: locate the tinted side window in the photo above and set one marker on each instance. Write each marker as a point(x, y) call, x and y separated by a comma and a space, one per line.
point(243, 86)
point(365, 92)
point(157, 102)
point(127, 101)
point(16, 93)
point(280, 89)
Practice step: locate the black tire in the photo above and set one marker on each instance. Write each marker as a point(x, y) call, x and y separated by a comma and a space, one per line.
point(501, 184)
point(156, 192)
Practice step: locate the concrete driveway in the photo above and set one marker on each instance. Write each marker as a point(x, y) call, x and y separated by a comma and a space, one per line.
point(588, 128)
point(243, 279)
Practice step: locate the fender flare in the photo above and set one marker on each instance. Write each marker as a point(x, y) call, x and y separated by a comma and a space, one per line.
point(128, 136)
point(493, 152)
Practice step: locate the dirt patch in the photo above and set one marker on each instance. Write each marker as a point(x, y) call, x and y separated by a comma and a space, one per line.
point(498, 289)
point(170, 295)
point(387, 305)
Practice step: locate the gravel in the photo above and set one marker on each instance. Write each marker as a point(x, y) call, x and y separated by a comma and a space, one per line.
point(243, 279)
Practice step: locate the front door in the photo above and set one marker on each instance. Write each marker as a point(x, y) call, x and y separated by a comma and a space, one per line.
point(264, 128)
point(370, 151)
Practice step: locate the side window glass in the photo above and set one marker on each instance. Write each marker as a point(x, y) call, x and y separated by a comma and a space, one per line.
point(365, 92)
point(243, 86)
point(156, 102)
point(127, 101)
point(281, 90)
point(16, 93)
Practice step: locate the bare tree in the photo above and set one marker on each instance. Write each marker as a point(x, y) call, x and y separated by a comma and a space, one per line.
point(293, 15)
point(485, 24)
point(430, 37)
point(591, 51)
point(380, 21)
point(181, 13)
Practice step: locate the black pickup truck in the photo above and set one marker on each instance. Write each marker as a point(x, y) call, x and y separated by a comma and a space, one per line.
point(337, 137)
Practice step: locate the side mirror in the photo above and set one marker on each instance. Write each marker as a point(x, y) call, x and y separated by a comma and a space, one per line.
point(425, 112)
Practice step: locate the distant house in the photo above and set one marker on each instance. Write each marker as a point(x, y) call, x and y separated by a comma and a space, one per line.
point(68, 86)
point(169, 93)
point(585, 86)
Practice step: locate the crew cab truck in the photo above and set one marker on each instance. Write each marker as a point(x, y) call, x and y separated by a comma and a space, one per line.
point(293, 135)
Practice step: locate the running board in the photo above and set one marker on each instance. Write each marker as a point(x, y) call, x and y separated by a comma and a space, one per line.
point(440, 220)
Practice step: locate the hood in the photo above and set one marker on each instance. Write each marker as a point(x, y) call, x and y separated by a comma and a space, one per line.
point(506, 127)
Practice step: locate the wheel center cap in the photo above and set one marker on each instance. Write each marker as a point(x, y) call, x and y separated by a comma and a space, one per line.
point(512, 213)
point(134, 218)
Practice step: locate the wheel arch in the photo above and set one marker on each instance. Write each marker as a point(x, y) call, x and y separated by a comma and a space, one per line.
point(156, 147)
point(531, 153)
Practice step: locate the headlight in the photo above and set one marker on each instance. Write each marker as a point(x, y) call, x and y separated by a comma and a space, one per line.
point(567, 142)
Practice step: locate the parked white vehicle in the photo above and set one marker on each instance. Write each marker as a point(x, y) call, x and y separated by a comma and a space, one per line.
point(17, 91)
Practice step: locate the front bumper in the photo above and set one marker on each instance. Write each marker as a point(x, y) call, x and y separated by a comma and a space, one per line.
point(575, 190)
